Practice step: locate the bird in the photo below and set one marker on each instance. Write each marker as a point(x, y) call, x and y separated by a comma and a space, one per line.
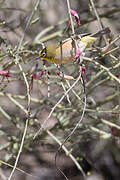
point(64, 52)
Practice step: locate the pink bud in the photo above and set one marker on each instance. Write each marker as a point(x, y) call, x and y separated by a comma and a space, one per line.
point(83, 70)
point(5, 74)
point(75, 14)
point(77, 56)
point(37, 75)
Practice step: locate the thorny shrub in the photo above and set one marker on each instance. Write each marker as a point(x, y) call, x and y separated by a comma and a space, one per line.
point(44, 89)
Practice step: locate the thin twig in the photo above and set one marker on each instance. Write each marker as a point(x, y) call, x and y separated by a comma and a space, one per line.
point(68, 98)
point(18, 169)
point(83, 22)
point(100, 132)
point(60, 100)
point(17, 103)
point(97, 15)
point(110, 124)
point(78, 97)
point(66, 152)
point(72, 132)
point(102, 67)
point(4, 113)
point(28, 91)
point(21, 97)
point(70, 16)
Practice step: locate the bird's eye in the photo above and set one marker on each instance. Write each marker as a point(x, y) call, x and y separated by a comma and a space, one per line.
point(43, 53)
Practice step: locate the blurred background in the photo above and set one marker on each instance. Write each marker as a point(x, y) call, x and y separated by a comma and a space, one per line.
point(95, 144)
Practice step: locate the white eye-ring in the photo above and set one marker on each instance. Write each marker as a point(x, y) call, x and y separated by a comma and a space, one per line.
point(43, 54)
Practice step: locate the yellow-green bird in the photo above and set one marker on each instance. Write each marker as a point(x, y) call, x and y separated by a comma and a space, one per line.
point(63, 53)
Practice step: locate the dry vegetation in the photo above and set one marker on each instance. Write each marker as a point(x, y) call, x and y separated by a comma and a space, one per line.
point(93, 150)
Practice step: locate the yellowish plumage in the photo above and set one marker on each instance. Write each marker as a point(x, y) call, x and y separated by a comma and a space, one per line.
point(64, 53)
point(88, 40)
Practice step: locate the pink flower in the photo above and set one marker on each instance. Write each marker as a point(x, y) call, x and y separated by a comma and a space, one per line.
point(75, 14)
